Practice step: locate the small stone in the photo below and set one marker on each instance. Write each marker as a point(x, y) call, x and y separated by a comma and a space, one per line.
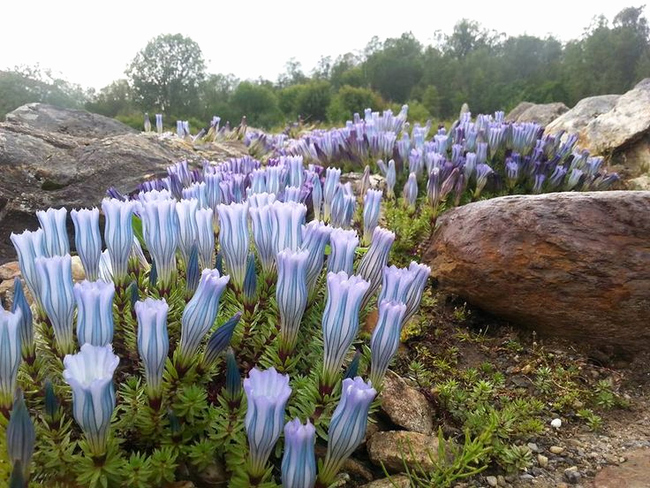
point(533, 447)
point(572, 475)
point(556, 423)
point(502, 480)
point(78, 272)
point(9, 271)
point(556, 449)
point(542, 460)
point(492, 480)
point(621, 459)
point(526, 477)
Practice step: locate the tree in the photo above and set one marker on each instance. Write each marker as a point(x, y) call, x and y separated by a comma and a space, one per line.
point(313, 101)
point(293, 74)
point(350, 100)
point(166, 75)
point(112, 100)
point(258, 103)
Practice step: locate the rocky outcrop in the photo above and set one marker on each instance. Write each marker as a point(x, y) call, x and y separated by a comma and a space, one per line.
point(543, 113)
point(43, 169)
point(573, 265)
point(76, 123)
point(586, 110)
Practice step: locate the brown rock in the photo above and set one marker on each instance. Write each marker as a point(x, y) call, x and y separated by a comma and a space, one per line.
point(391, 449)
point(574, 265)
point(635, 473)
point(514, 114)
point(406, 406)
point(586, 110)
point(9, 271)
point(399, 481)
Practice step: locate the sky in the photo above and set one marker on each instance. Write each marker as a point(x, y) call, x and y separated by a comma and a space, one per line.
point(91, 43)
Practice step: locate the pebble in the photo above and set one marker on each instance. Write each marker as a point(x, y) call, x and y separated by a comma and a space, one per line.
point(556, 449)
point(533, 447)
point(492, 481)
point(542, 460)
point(556, 423)
point(526, 477)
point(572, 476)
point(502, 480)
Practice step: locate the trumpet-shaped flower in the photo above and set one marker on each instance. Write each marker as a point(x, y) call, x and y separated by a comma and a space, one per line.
point(340, 319)
point(299, 459)
point(200, 312)
point(90, 375)
point(160, 228)
point(118, 235)
point(29, 245)
point(56, 236)
point(21, 435)
point(420, 273)
point(233, 238)
point(410, 192)
point(371, 208)
point(205, 237)
point(374, 261)
point(10, 355)
point(188, 230)
point(88, 240)
point(344, 244)
point(257, 200)
point(26, 326)
point(94, 312)
point(348, 425)
point(292, 194)
point(267, 393)
point(343, 207)
point(153, 342)
point(332, 178)
point(57, 297)
point(287, 219)
point(385, 339)
point(261, 218)
point(395, 284)
point(291, 295)
point(316, 236)
point(391, 179)
point(316, 195)
point(159, 123)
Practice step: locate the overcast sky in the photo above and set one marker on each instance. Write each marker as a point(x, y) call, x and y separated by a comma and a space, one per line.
point(91, 43)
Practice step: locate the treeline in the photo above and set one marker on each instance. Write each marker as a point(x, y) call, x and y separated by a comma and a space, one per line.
point(486, 69)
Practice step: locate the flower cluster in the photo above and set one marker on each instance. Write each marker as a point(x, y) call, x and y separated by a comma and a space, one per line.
point(227, 258)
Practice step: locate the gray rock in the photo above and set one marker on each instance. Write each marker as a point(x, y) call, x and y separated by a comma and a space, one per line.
point(48, 169)
point(573, 265)
point(492, 480)
point(77, 123)
point(406, 406)
point(393, 448)
point(516, 112)
point(543, 114)
point(586, 110)
point(623, 124)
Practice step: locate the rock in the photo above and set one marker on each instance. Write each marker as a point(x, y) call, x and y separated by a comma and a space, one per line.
point(393, 447)
point(533, 447)
point(516, 112)
point(399, 481)
point(492, 480)
point(77, 123)
point(50, 169)
point(78, 272)
point(406, 406)
point(573, 265)
point(556, 449)
point(214, 475)
point(357, 470)
point(572, 475)
point(9, 271)
point(586, 110)
point(635, 473)
point(542, 460)
point(543, 114)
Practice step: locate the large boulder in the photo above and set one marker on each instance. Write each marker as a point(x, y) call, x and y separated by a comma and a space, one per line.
point(586, 110)
point(79, 123)
point(543, 113)
point(572, 265)
point(43, 169)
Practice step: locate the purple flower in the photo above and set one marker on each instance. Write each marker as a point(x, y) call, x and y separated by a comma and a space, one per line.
point(287, 219)
point(374, 261)
point(94, 312)
point(233, 238)
point(410, 192)
point(153, 342)
point(371, 210)
point(267, 393)
point(160, 231)
point(291, 295)
point(299, 460)
point(118, 235)
point(88, 240)
point(30, 245)
point(344, 245)
point(385, 339)
point(56, 236)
